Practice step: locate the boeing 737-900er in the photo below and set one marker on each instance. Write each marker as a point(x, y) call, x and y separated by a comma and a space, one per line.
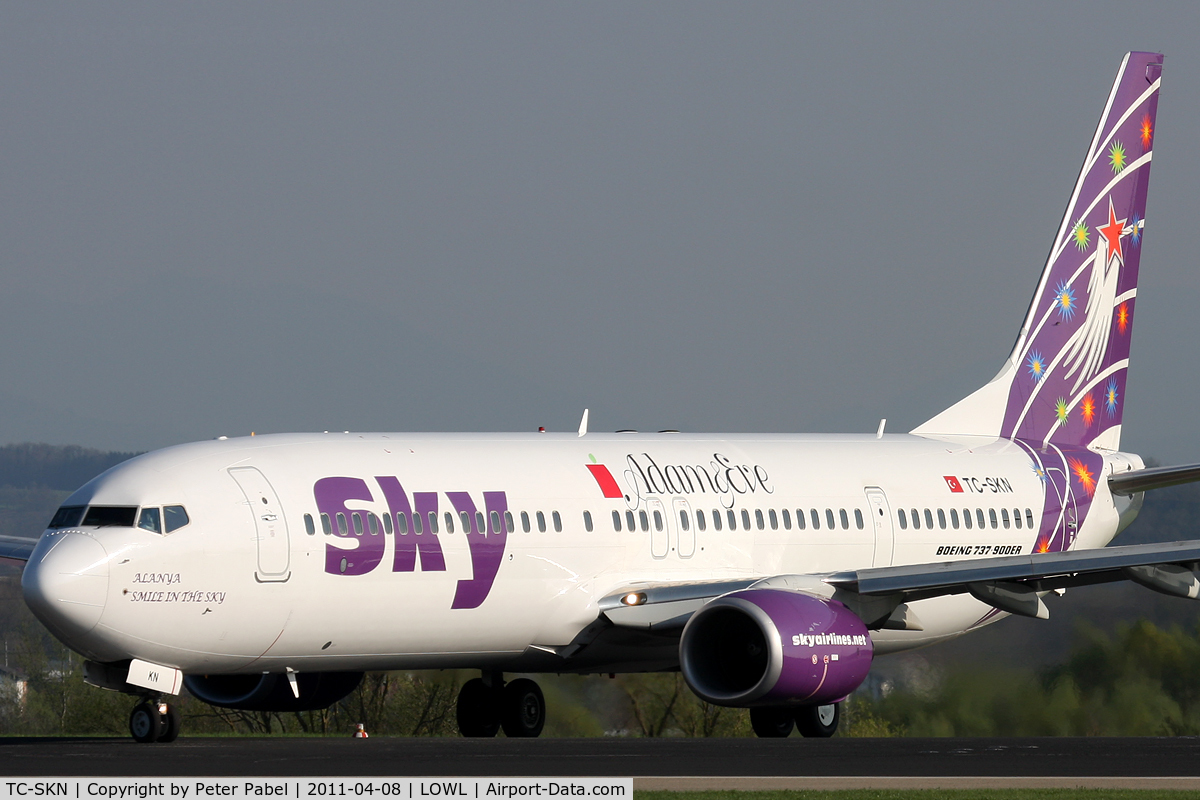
point(270, 572)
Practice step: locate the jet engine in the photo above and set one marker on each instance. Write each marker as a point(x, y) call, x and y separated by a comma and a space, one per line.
point(272, 691)
point(774, 647)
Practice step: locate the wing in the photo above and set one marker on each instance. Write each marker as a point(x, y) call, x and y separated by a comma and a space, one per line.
point(16, 549)
point(879, 595)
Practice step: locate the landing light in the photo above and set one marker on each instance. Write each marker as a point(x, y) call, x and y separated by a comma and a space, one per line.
point(634, 599)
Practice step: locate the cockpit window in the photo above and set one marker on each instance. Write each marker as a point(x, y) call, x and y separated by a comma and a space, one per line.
point(150, 520)
point(104, 516)
point(175, 517)
point(67, 517)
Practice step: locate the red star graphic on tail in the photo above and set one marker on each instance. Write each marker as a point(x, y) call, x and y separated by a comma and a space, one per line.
point(1112, 234)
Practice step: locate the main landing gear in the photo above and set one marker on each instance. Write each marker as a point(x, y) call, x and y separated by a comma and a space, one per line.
point(154, 721)
point(812, 721)
point(486, 705)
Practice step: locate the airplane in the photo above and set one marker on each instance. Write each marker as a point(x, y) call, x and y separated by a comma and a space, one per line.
point(270, 572)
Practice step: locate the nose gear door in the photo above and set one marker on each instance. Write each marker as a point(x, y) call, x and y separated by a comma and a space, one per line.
point(270, 525)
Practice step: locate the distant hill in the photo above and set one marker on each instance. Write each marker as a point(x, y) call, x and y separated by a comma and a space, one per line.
point(36, 478)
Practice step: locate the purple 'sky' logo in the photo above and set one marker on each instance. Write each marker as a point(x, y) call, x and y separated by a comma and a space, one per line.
point(486, 535)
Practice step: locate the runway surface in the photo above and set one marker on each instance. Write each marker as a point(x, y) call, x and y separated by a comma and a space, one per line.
point(653, 763)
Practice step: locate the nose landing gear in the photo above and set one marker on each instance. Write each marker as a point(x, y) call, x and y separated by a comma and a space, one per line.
point(154, 721)
point(486, 705)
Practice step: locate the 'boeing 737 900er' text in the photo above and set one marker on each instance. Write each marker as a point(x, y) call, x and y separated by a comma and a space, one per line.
point(769, 569)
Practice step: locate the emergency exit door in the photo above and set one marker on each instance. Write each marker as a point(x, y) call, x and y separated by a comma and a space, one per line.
point(881, 518)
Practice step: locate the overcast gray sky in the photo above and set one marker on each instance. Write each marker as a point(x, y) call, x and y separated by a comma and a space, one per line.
point(225, 217)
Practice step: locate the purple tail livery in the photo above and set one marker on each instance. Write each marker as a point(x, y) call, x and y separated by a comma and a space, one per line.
point(1064, 383)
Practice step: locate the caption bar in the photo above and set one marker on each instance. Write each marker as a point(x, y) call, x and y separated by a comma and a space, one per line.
point(304, 788)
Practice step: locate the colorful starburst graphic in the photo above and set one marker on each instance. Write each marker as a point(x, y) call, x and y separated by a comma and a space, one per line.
point(1147, 131)
point(1036, 366)
point(1116, 157)
point(1122, 318)
point(1062, 410)
point(1064, 300)
point(1041, 473)
point(1081, 235)
point(1084, 475)
point(1087, 409)
point(1135, 232)
point(1110, 397)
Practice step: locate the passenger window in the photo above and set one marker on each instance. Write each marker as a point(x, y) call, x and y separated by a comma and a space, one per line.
point(658, 520)
point(729, 515)
point(629, 523)
point(465, 519)
point(844, 519)
point(816, 519)
point(66, 517)
point(433, 523)
point(1017, 518)
point(356, 518)
point(941, 519)
point(343, 530)
point(787, 520)
point(645, 520)
point(401, 523)
point(541, 518)
point(174, 518)
point(418, 526)
point(1029, 518)
point(587, 521)
point(495, 516)
point(967, 518)
point(700, 522)
point(829, 519)
point(150, 520)
point(387, 524)
point(992, 517)
point(716, 515)
point(508, 522)
point(928, 520)
point(617, 521)
point(903, 520)
point(979, 517)
point(325, 526)
point(858, 518)
point(745, 520)
point(954, 518)
point(916, 520)
point(480, 523)
point(557, 522)
point(684, 520)
point(525, 521)
point(774, 519)
point(1004, 518)
point(758, 519)
point(800, 519)
point(373, 524)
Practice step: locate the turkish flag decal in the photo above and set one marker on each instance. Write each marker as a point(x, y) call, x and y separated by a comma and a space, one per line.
point(953, 483)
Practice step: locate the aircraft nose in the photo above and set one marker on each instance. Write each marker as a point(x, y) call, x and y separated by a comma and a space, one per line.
point(66, 582)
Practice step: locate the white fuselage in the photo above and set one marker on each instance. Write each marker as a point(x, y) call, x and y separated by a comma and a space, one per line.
point(246, 587)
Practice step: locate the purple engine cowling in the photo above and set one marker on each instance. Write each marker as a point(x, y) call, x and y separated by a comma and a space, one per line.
point(774, 647)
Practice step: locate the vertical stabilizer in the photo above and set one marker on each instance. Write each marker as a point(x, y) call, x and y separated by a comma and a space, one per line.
point(1064, 382)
